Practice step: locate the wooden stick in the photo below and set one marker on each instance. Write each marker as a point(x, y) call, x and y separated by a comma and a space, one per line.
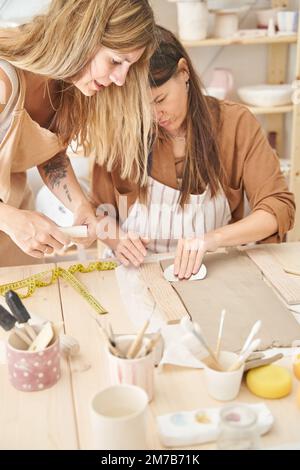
point(29, 330)
point(137, 342)
point(22, 336)
point(223, 313)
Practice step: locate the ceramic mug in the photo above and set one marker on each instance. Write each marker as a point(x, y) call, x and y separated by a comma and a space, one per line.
point(223, 385)
point(31, 371)
point(118, 415)
point(138, 371)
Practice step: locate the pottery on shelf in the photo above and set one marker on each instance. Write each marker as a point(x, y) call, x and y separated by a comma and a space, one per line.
point(266, 95)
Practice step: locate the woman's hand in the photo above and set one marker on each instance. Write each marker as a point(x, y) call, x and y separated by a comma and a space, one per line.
point(85, 215)
point(130, 249)
point(33, 232)
point(190, 253)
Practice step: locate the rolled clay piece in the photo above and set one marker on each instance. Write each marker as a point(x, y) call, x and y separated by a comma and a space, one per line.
point(169, 274)
point(76, 231)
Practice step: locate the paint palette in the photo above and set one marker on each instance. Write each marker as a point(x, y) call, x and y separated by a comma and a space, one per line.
point(186, 428)
point(169, 274)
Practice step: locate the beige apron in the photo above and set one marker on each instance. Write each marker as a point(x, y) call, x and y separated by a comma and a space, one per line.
point(24, 144)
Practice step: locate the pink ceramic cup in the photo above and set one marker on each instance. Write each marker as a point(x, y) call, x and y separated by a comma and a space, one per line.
point(138, 371)
point(32, 371)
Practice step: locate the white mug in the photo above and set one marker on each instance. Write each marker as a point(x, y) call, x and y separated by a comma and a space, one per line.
point(224, 385)
point(137, 371)
point(118, 415)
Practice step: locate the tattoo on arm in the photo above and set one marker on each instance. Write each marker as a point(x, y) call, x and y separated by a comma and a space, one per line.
point(56, 170)
point(67, 192)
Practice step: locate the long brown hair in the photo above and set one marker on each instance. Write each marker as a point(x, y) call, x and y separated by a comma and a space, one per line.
point(114, 125)
point(202, 165)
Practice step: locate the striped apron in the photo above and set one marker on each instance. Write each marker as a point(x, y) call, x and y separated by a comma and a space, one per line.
point(164, 222)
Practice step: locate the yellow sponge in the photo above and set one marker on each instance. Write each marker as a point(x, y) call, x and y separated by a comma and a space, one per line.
point(269, 381)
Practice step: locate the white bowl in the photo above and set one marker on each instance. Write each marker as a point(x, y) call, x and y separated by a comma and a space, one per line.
point(266, 95)
point(216, 92)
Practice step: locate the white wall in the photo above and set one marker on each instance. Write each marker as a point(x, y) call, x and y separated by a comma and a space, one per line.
point(248, 63)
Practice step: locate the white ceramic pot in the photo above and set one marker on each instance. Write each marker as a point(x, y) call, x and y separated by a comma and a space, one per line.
point(192, 19)
point(226, 24)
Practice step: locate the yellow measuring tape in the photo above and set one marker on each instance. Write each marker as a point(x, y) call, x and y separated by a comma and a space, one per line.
point(47, 278)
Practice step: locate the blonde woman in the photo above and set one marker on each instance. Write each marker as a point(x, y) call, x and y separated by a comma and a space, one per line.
point(208, 154)
point(62, 79)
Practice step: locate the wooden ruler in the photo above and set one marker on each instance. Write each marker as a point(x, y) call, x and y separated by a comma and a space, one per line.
point(286, 284)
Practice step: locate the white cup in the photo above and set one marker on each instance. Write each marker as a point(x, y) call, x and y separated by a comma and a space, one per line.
point(118, 415)
point(137, 371)
point(287, 21)
point(223, 385)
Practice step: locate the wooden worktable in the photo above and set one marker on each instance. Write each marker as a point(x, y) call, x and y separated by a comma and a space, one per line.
point(58, 418)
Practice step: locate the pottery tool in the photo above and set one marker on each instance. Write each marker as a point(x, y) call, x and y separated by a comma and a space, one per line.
point(8, 322)
point(43, 338)
point(111, 346)
point(223, 313)
point(195, 329)
point(76, 231)
point(254, 330)
point(19, 311)
point(169, 274)
point(111, 335)
point(137, 343)
point(149, 347)
point(243, 356)
point(255, 356)
point(69, 345)
point(292, 270)
point(262, 362)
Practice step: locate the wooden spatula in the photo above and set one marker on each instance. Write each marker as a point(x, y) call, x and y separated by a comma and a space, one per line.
point(43, 338)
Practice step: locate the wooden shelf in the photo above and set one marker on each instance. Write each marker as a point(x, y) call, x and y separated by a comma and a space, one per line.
point(290, 39)
point(271, 109)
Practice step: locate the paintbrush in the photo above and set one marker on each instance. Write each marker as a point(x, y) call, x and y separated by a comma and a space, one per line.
point(223, 313)
point(254, 330)
point(195, 329)
point(244, 355)
point(111, 346)
point(149, 347)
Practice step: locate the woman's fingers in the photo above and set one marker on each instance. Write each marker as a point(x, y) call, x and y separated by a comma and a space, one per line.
point(122, 259)
point(192, 250)
point(177, 262)
point(137, 243)
point(198, 261)
point(184, 259)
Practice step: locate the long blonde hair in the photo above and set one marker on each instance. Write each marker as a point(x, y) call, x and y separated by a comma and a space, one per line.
point(115, 124)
